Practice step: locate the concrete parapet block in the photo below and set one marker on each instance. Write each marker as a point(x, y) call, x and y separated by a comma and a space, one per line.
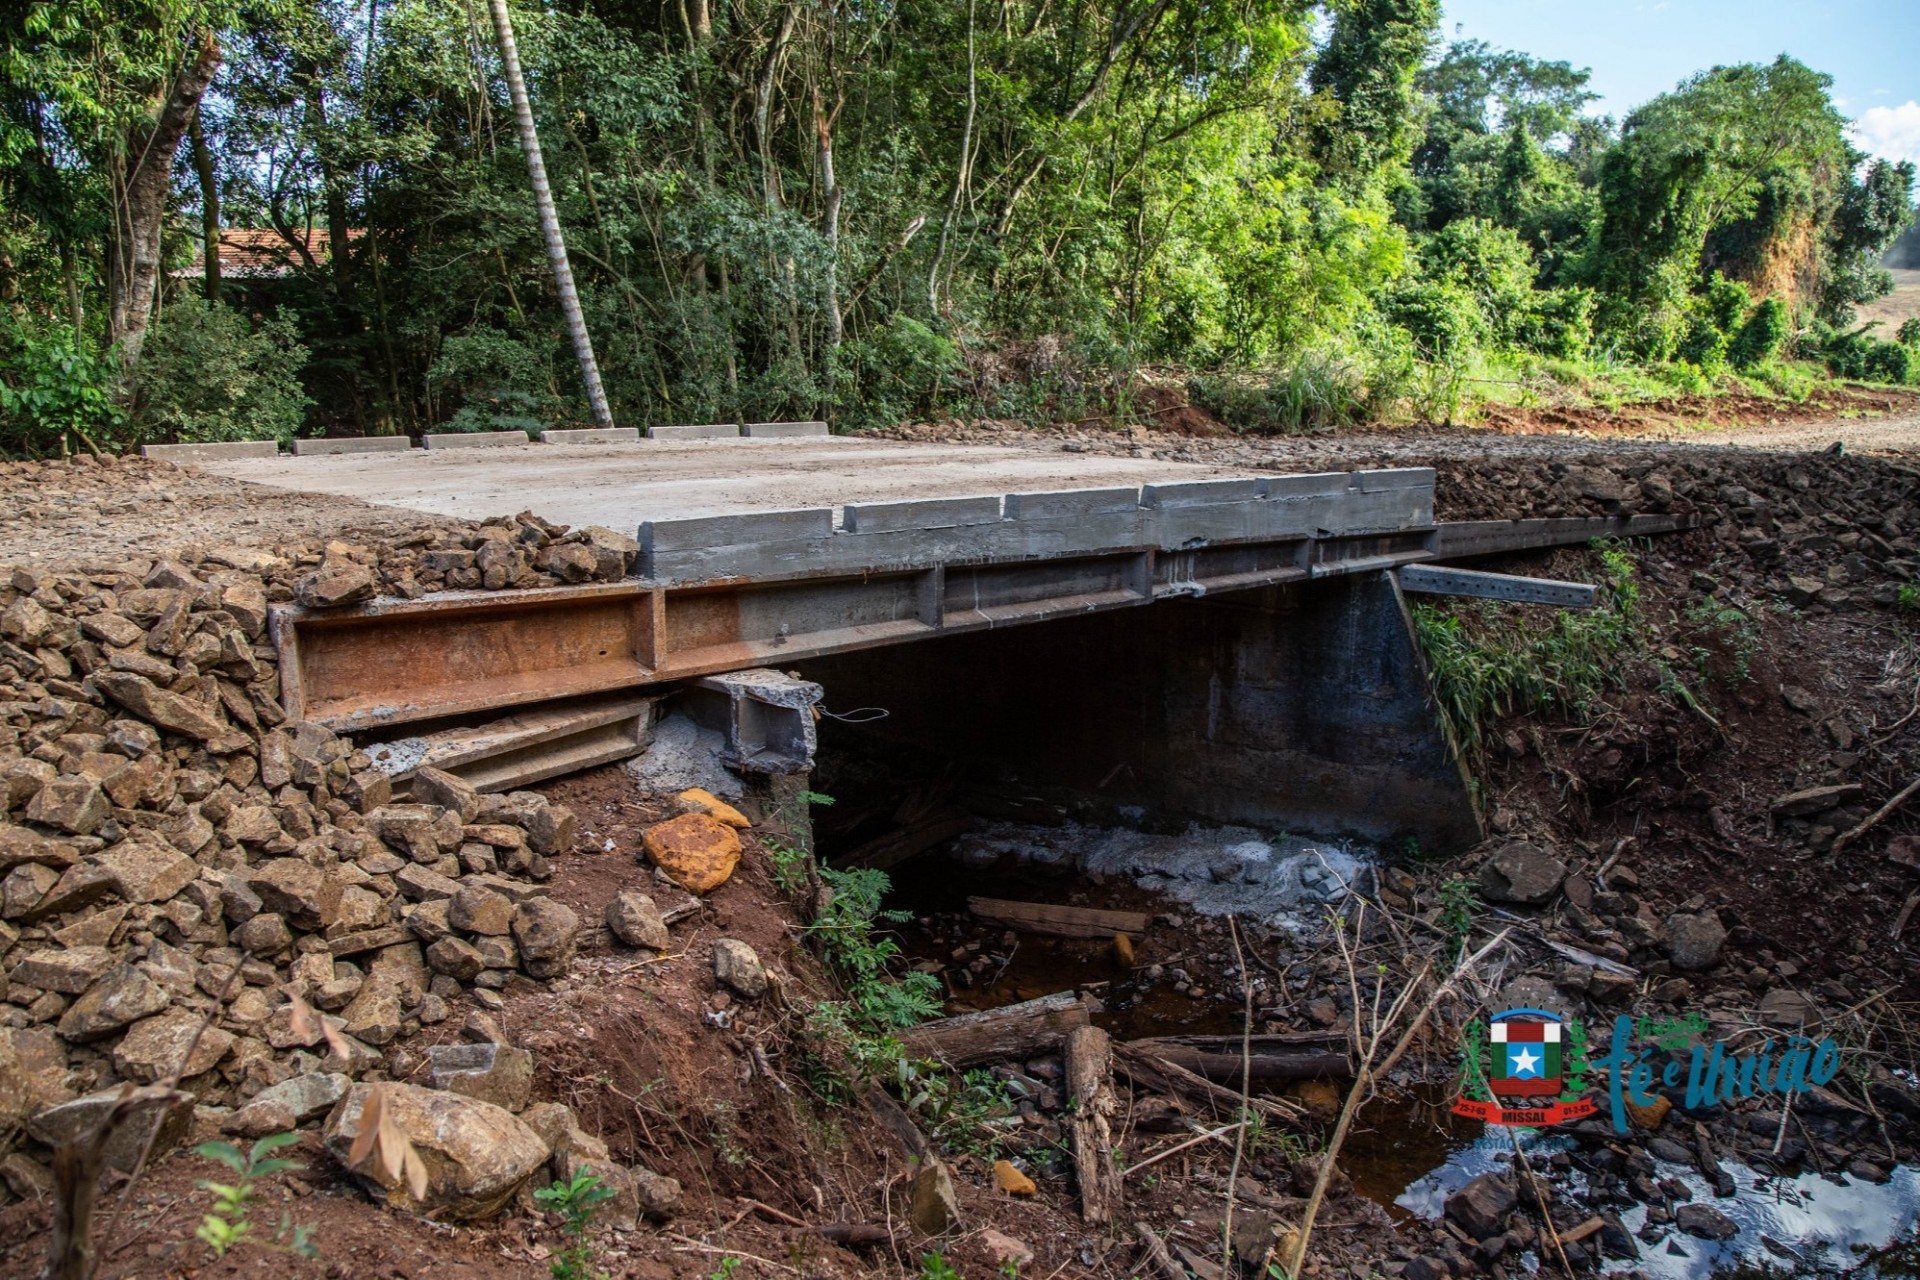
point(696, 431)
point(591, 435)
point(1394, 478)
point(475, 439)
point(933, 513)
point(758, 545)
point(783, 430)
point(1202, 493)
point(320, 448)
point(1062, 504)
point(220, 451)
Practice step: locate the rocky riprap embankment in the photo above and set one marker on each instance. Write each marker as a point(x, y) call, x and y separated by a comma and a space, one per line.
point(193, 888)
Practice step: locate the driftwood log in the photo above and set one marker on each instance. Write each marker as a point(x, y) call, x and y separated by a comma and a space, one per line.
point(1148, 1070)
point(1060, 922)
point(1091, 1104)
point(1013, 1032)
point(1270, 1058)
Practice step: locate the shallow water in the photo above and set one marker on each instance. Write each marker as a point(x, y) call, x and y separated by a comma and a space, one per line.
point(1797, 1226)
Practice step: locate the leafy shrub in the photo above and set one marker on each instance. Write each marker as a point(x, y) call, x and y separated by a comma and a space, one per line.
point(497, 382)
point(902, 370)
point(1760, 338)
point(1557, 322)
point(1908, 335)
point(207, 373)
point(1444, 319)
point(53, 385)
point(1317, 392)
point(1856, 355)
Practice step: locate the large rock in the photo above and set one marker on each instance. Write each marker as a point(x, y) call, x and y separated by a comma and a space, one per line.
point(1481, 1207)
point(144, 870)
point(552, 829)
point(1523, 873)
point(175, 1042)
point(168, 710)
point(69, 972)
point(696, 850)
point(298, 890)
point(481, 911)
point(80, 1119)
point(336, 584)
point(492, 1072)
point(425, 831)
point(1694, 940)
point(636, 921)
point(1705, 1222)
point(1800, 804)
point(738, 966)
point(289, 1104)
point(72, 803)
point(435, 786)
point(935, 1206)
point(477, 1155)
point(547, 933)
point(120, 999)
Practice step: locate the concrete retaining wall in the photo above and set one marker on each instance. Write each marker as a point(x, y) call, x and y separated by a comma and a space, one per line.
point(1046, 525)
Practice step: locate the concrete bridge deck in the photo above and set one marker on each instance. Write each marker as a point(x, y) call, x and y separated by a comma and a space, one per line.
point(621, 485)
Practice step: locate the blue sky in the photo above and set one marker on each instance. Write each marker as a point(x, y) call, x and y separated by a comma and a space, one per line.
point(1639, 48)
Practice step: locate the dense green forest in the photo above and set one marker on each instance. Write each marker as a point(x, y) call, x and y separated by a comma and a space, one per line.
point(1306, 213)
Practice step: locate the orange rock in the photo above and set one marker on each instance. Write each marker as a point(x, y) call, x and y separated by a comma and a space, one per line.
point(701, 800)
point(696, 850)
point(1123, 950)
point(1009, 1179)
point(1650, 1116)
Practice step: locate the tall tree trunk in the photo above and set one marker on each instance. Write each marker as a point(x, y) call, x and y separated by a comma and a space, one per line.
point(830, 216)
point(334, 187)
point(549, 216)
point(133, 257)
point(209, 207)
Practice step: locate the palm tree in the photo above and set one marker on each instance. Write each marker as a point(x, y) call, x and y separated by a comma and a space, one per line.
point(549, 218)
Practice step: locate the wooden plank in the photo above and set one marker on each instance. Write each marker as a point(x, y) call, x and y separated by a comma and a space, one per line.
point(896, 846)
point(1060, 922)
point(1090, 1105)
point(1014, 1032)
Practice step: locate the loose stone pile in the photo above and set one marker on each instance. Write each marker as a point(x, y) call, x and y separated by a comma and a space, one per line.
point(186, 878)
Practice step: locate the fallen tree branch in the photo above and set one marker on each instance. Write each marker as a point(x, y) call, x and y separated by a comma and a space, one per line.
point(1873, 820)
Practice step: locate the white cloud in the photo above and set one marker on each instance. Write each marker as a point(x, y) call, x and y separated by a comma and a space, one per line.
point(1893, 132)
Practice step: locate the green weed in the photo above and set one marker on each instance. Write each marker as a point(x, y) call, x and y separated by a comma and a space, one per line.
point(933, 1266)
point(1488, 661)
point(576, 1201)
point(1457, 904)
point(226, 1225)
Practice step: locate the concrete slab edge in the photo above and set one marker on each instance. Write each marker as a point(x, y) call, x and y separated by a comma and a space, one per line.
point(326, 447)
point(591, 435)
point(475, 439)
point(218, 451)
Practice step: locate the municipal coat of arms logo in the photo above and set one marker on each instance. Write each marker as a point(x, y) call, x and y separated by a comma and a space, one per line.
point(1524, 1067)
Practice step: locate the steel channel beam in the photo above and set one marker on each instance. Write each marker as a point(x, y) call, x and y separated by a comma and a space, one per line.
point(398, 662)
point(1438, 580)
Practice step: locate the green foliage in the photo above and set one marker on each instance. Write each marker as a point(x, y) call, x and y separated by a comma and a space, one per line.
point(1860, 355)
point(1907, 598)
point(952, 1106)
point(903, 371)
point(493, 382)
point(576, 1200)
point(1458, 901)
point(1490, 661)
point(1761, 336)
point(227, 1224)
point(933, 1266)
point(860, 954)
point(208, 374)
point(54, 385)
point(725, 1270)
